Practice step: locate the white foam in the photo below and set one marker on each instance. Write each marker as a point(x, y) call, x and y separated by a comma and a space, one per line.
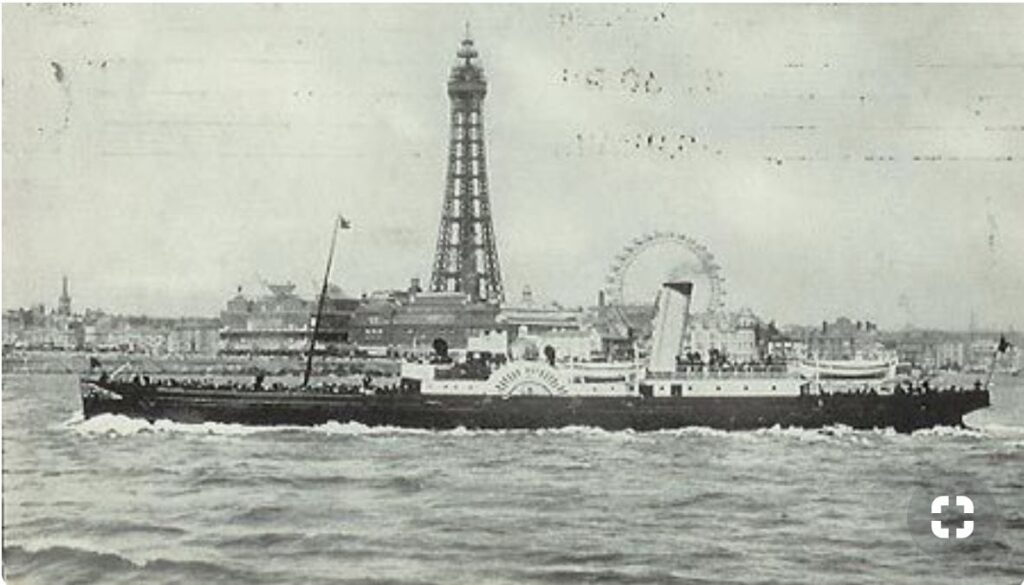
point(770, 433)
point(359, 429)
point(118, 425)
point(112, 425)
point(585, 431)
point(947, 431)
point(108, 424)
point(803, 435)
point(694, 432)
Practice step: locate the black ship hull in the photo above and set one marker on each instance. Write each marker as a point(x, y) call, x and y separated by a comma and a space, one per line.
point(902, 412)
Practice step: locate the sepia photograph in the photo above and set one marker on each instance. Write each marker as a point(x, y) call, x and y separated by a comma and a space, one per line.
point(512, 294)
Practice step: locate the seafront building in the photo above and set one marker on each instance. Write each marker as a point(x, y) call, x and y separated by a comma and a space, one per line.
point(280, 322)
point(410, 323)
point(36, 327)
point(532, 324)
point(734, 335)
point(62, 329)
point(465, 302)
point(406, 322)
point(843, 339)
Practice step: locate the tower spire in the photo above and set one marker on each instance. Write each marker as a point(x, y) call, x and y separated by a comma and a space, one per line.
point(64, 302)
point(466, 258)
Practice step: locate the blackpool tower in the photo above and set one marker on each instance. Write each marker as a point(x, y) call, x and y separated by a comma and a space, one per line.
point(466, 259)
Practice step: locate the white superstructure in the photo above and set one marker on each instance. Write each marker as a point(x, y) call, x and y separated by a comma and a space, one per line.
point(662, 375)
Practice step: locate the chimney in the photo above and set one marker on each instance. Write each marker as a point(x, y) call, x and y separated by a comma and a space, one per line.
point(673, 308)
point(600, 299)
point(414, 285)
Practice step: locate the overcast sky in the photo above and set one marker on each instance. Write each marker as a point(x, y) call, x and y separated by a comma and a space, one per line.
point(865, 161)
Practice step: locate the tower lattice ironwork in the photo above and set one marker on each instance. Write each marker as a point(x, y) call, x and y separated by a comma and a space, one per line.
point(466, 259)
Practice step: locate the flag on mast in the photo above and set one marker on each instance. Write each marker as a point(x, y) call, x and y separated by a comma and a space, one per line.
point(1003, 344)
point(343, 223)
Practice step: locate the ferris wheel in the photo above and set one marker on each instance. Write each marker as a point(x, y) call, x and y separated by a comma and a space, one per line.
point(638, 271)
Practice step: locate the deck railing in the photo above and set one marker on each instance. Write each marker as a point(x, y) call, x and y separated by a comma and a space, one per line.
point(720, 373)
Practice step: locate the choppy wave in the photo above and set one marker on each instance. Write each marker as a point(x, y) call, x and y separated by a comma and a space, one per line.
point(67, 563)
point(78, 563)
point(26, 560)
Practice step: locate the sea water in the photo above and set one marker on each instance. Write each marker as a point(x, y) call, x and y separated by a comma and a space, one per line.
point(116, 500)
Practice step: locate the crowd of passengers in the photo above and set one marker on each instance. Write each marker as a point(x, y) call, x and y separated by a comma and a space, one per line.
point(260, 384)
point(902, 389)
point(719, 361)
point(925, 387)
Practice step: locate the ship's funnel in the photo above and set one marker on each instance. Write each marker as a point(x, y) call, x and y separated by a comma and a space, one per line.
point(673, 308)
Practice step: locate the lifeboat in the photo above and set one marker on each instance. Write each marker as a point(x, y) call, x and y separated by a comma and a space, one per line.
point(857, 369)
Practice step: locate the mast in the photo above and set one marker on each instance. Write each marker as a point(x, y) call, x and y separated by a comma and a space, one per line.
point(1000, 348)
point(339, 224)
